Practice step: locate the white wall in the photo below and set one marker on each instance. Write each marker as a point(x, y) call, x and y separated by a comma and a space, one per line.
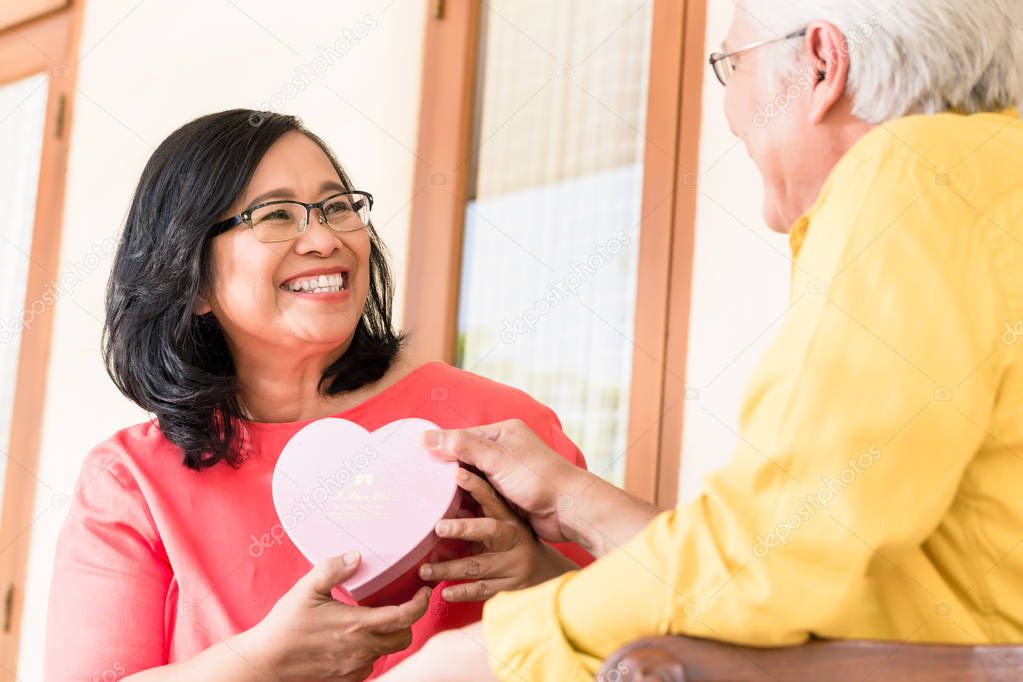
point(740, 282)
point(149, 67)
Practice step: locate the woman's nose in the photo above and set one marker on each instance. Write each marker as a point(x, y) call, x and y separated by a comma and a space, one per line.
point(317, 237)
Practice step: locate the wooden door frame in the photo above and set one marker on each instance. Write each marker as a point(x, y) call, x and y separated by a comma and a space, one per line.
point(667, 231)
point(46, 43)
point(441, 179)
point(440, 188)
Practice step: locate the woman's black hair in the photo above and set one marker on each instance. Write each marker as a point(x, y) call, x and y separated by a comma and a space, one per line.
point(160, 354)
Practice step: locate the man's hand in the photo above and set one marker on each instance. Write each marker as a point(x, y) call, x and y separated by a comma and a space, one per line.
point(561, 502)
point(509, 556)
point(520, 466)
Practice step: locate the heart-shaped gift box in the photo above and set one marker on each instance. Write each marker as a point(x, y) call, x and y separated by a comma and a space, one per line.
point(338, 487)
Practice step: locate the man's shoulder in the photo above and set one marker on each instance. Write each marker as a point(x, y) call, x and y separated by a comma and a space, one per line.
point(959, 167)
point(948, 143)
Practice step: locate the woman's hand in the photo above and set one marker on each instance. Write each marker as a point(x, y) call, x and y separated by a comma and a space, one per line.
point(510, 557)
point(309, 634)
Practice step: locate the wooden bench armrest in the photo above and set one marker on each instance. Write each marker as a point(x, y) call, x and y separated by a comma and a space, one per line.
point(686, 659)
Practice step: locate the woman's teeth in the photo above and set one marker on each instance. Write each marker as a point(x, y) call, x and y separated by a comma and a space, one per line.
point(320, 284)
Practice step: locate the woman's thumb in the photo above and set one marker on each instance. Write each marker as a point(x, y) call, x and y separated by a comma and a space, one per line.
point(329, 572)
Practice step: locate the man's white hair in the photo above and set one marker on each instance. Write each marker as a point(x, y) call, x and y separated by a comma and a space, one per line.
point(912, 56)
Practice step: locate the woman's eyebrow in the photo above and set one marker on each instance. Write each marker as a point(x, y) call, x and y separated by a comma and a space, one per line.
point(288, 193)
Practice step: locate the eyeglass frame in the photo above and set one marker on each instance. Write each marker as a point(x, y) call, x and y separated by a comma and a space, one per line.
point(716, 57)
point(246, 215)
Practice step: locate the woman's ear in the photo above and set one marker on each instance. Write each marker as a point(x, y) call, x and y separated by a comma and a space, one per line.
point(202, 307)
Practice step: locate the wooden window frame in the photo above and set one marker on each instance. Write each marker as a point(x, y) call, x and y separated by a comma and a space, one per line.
point(667, 227)
point(48, 42)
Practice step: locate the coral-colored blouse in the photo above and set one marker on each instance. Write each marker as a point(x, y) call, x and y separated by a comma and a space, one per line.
point(157, 562)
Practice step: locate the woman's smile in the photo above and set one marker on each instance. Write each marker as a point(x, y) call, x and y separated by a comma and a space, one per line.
point(324, 284)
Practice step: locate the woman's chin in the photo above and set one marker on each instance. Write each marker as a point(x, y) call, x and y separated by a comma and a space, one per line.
point(308, 333)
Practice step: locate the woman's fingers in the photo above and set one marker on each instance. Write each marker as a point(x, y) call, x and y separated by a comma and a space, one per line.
point(322, 577)
point(394, 618)
point(490, 502)
point(391, 642)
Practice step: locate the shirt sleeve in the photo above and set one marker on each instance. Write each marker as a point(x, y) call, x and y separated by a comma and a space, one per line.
point(854, 434)
point(110, 580)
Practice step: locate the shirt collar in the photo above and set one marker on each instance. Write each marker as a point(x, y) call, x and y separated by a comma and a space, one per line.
point(797, 234)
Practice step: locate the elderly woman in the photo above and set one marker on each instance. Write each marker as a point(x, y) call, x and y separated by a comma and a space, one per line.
point(875, 490)
point(249, 296)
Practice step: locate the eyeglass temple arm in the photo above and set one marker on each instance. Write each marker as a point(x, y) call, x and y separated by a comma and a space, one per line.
point(718, 56)
point(226, 224)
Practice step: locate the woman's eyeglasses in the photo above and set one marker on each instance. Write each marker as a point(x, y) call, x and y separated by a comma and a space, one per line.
point(280, 221)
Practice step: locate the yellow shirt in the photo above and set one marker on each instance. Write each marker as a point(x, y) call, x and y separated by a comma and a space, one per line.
point(877, 489)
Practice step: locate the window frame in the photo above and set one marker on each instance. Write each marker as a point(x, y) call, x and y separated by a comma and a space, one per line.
point(440, 192)
point(44, 37)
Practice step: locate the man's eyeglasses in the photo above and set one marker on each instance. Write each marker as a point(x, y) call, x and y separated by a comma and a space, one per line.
point(281, 221)
point(723, 64)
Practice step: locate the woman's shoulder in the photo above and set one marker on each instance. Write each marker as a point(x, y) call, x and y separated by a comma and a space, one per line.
point(131, 452)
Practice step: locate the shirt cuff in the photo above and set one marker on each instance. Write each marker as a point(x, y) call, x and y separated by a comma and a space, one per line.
point(525, 639)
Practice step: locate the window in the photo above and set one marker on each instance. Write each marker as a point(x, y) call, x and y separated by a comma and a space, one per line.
point(552, 226)
point(23, 110)
point(38, 48)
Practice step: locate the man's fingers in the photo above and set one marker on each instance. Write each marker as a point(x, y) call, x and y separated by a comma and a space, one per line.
point(491, 503)
point(469, 568)
point(395, 618)
point(495, 534)
point(490, 432)
point(476, 446)
point(481, 590)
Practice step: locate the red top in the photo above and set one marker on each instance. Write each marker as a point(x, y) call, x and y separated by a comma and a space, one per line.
point(156, 562)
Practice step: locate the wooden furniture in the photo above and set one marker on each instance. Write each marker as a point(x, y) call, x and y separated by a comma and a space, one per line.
point(685, 659)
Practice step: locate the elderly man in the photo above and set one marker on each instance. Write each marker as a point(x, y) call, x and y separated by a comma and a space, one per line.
point(875, 492)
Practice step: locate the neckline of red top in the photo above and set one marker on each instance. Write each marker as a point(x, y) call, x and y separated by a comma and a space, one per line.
point(269, 427)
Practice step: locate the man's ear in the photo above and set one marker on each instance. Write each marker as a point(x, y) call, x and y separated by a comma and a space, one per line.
point(827, 53)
